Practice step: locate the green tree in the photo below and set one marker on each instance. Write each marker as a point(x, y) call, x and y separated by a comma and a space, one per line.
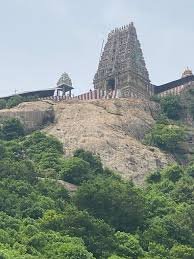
point(128, 245)
point(2, 104)
point(154, 177)
point(173, 172)
point(38, 143)
point(97, 235)
point(158, 204)
point(184, 191)
point(191, 108)
point(2, 151)
point(75, 170)
point(12, 129)
point(15, 151)
point(190, 170)
point(53, 245)
point(52, 189)
point(93, 160)
point(156, 233)
point(69, 251)
point(14, 101)
point(155, 98)
point(22, 170)
point(157, 251)
point(118, 257)
point(170, 229)
point(50, 161)
point(165, 136)
point(171, 106)
point(181, 252)
point(120, 204)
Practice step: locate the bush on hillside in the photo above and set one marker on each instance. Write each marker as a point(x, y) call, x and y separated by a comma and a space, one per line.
point(155, 98)
point(38, 143)
point(11, 129)
point(171, 106)
point(173, 173)
point(154, 177)
point(2, 151)
point(75, 170)
point(191, 108)
point(166, 137)
point(14, 101)
point(2, 104)
point(93, 160)
point(190, 170)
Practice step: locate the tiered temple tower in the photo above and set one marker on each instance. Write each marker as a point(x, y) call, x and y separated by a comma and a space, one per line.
point(122, 67)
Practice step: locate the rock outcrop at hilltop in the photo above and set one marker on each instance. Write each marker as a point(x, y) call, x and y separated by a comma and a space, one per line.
point(114, 130)
point(34, 115)
point(111, 128)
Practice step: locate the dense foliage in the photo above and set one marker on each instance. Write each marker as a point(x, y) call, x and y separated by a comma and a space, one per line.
point(106, 218)
point(2, 104)
point(11, 129)
point(165, 136)
point(123, 202)
point(171, 106)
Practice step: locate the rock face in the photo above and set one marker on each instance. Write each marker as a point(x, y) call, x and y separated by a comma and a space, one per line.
point(113, 129)
point(34, 115)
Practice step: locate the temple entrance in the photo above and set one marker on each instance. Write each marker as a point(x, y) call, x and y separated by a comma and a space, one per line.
point(110, 88)
point(110, 84)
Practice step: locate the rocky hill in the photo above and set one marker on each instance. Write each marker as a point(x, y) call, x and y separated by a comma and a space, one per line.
point(34, 115)
point(113, 129)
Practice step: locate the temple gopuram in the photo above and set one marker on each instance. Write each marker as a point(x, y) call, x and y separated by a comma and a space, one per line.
point(122, 67)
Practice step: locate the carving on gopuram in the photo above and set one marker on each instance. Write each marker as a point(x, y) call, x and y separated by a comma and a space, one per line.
point(122, 67)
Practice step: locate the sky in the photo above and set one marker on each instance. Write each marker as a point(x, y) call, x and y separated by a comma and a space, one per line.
point(41, 39)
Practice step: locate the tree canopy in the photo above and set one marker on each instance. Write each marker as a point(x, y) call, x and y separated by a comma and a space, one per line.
point(107, 217)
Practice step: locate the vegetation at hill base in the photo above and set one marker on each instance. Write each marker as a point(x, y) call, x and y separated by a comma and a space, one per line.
point(107, 217)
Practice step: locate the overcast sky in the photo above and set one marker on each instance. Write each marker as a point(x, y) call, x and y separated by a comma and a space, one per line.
point(40, 39)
